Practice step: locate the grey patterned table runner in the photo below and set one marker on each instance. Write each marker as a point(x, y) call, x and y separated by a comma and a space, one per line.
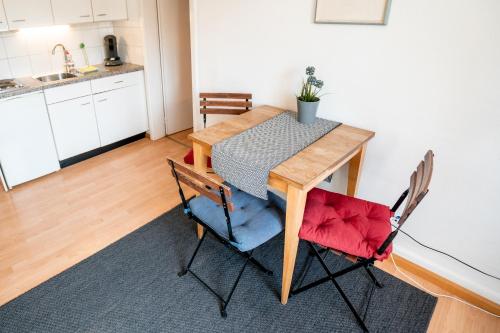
point(246, 159)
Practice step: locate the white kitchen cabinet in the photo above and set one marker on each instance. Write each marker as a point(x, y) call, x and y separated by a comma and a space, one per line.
point(74, 126)
point(3, 19)
point(28, 13)
point(27, 149)
point(121, 113)
point(72, 11)
point(109, 10)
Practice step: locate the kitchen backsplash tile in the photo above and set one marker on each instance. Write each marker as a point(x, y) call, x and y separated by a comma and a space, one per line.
point(4, 69)
point(37, 45)
point(28, 52)
point(15, 46)
point(3, 53)
point(20, 66)
point(130, 44)
point(130, 34)
point(41, 63)
point(96, 55)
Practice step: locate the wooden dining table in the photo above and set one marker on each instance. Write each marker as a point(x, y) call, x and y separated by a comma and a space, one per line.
point(295, 176)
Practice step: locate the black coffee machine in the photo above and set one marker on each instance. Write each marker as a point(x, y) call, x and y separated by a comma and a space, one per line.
point(111, 51)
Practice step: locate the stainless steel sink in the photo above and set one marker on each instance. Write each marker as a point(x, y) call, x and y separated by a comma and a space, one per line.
point(55, 77)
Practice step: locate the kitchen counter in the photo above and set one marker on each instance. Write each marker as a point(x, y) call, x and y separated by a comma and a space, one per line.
point(31, 84)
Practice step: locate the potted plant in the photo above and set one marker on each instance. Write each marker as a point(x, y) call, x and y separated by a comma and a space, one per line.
point(308, 100)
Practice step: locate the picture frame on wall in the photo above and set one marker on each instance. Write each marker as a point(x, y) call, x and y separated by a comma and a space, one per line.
point(352, 11)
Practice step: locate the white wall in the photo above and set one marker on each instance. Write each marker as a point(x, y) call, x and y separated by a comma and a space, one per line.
point(429, 79)
point(28, 52)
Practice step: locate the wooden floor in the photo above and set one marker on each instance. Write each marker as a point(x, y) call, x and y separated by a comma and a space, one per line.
point(52, 223)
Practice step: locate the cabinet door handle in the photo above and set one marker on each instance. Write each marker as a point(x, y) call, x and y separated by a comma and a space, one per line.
point(102, 100)
point(85, 15)
point(121, 81)
point(83, 104)
point(102, 14)
point(22, 20)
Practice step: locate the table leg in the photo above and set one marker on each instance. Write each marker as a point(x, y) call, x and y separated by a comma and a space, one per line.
point(200, 164)
point(355, 166)
point(295, 204)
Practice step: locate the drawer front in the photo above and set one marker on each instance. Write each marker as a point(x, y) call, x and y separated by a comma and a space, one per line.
point(67, 92)
point(116, 81)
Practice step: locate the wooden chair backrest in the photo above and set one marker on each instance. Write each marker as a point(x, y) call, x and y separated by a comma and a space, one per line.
point(225, 103)
point(419, 185)
point(201, 183)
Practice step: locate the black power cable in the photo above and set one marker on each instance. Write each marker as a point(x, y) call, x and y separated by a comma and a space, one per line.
point(448, 255)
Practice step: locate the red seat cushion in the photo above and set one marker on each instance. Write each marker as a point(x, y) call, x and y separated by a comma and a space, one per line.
point(347, 224)
point(189, 159)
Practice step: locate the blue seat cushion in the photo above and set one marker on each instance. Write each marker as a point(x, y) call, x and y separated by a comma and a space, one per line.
point(254, 221)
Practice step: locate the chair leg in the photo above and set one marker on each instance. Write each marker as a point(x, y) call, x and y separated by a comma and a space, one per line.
point(308, 265)
point(248, 258)
point(314, 253)
point(331, 276)
point(372, 276)
point(223, 312)
point(184, 271)
point(323, 250)
point(311, 285)
point(349, 304)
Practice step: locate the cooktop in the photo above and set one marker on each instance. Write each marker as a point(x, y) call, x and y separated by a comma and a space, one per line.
point(9, 84)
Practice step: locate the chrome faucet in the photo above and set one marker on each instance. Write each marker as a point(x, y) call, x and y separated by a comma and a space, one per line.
point(69, 65)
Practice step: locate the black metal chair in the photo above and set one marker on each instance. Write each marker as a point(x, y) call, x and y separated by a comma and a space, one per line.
point(237, 219)
point(372, 219)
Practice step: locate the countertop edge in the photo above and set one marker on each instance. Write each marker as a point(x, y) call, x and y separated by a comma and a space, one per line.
point(33, 85)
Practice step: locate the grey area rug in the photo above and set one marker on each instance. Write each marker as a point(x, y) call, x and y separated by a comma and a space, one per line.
point(132, 286)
